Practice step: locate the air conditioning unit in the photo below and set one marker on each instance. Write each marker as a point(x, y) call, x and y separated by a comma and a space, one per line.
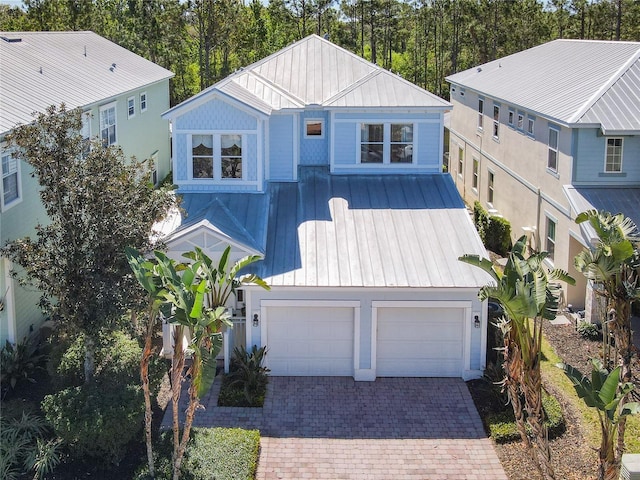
point(630, 467)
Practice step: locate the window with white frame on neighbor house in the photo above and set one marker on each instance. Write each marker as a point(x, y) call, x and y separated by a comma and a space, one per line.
point(476, 166)
point(108, 124)
point(480, 113)
point(552, 158)
point(531, 123)
point(386, 143)
point(550, 244)
point(460, 161)
point(131, 107)
point(496, 121)
point(520, 121)
point(511, 118)
point(490, 187)
point(10, 179)
point(217, 156)
point(613, 160)
point(143, 102)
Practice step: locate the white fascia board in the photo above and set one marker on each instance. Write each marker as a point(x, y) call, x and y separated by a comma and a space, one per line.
point(206, 96)
point(212, 230)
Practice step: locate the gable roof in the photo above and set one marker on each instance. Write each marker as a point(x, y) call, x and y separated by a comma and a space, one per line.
point(579, 82)
point(40, 69)
point(354, 230)
point(316, 72)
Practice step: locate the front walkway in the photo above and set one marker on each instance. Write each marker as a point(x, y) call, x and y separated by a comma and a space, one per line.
point(336, 428)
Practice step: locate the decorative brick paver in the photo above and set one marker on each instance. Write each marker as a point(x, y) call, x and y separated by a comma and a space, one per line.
point(336, 428)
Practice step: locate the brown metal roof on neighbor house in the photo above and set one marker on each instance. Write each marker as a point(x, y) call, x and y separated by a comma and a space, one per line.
point(316, 72)
point(570, 81)
point(40, 69)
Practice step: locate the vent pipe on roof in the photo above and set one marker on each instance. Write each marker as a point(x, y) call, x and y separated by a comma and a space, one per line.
point(11, 40)
point(40, 70)
point(85, 50)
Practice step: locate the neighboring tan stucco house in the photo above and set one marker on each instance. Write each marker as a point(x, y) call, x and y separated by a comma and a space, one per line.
point(330, 168)
point(544, 134)
point(122, 95)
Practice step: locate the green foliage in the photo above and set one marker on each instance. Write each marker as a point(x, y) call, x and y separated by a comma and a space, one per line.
point(503, 429)
point(220, 453)
point(95, 421)
point(480, 220)
point(498, 235)
point(246, 384)
point(18, 363)
point(589, 330)
point(25, 447)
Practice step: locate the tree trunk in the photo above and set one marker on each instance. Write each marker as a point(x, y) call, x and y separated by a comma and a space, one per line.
point(177, 366)
point(89, 358)
point(620, 319)
point(535, 419)
point(608, 468)
point(194, 402)
point(144, 377)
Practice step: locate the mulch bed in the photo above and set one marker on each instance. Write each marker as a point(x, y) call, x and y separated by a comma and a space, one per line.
point(573, 458)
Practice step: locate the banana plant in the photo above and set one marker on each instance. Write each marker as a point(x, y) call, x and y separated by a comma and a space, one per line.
point(604, 392)
point(529, 295)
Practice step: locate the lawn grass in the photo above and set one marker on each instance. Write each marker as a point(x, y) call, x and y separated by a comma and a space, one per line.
point(590, 423)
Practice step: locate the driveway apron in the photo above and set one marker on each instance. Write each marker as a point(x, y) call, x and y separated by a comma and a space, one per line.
point(336, 428)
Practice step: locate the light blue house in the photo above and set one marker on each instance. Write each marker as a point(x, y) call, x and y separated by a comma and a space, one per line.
point(330, 168)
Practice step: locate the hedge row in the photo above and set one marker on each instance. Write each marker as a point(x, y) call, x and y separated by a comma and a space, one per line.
point(495, 232)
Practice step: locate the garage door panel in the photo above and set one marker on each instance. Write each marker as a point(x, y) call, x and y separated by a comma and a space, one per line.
point(419, 341)
point(305, 341)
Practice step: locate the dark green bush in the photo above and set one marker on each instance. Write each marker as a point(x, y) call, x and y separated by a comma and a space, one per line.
point(589, 330)
point(246, 384)
point(19, 363)
point(95, 421)
point(215, 453)
point(498, 235)
point(502, 425)
point(480, 220)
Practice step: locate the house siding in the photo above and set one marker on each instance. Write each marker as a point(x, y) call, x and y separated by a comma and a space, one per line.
point(366, 297)
point(281, 152)
point(314, 151)
point(590, 154)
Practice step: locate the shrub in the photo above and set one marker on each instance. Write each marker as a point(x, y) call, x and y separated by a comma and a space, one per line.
point(480, 220)
point(96, 422)
point(18, 363)
point(589, 330)
point(246, 384)
point(498, 235)
point(220, 453)
point(502, 425)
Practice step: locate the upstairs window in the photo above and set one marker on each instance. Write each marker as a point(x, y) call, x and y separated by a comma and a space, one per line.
point(490, 188)
point(131, 107)
point(143, 102)
point(550, 244)
point(217, 156)
point(520, 121)
point(386, 143)
point(480, 112)
point(613, 159)
point(552, 160)
point(511, 118)
point(108, 124)
point(496, 122)
point(460, 161)
point(10, 180)
point(531, 124)
point(314, 128)
point(476, 166)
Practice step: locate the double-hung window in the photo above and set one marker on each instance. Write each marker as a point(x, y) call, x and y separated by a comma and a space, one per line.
point(520, 124)
point(10, 179)
point(386, 143)
point(480, 113)
point(131, 107)
point(108, 124)
point(496, 122)
point(490, 188)
point(143, 102)
point(511, 119)
point(531, 124)
point(476, 167)
point(552, 159)
point(550, 244)
point(460, 161)
point(613, 158)
point(217, 156)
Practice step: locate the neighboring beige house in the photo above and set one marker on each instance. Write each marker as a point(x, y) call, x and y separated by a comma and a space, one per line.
point(544, 134)
point(122, 95)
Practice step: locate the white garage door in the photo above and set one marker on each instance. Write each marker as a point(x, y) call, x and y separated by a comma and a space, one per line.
point(310, 341)
point(419, 342)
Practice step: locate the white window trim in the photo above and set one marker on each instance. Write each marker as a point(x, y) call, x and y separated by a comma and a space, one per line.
point(18, 199)
point(386, 144)
point(308, 121)
point(495, 132)
point(217, 159)
point(480, 112)
point(511, 117)
point(606, 147)
point(108, 106)
point(460, 162)
point(129, 114)
point(556, 149)
point(531, 126)
point(550, 218)
point(475, 172)
point(146, 100)
point(520, 117)
point(491, 187)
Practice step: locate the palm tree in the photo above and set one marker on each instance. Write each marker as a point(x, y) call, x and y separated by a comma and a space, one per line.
point(613, 265)
point(526, 291)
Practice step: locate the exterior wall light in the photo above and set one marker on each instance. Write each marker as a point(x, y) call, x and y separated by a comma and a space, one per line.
point(256, 320)
point(476, 321)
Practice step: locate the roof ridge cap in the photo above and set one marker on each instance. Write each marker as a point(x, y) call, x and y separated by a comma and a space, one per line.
point(604, 88)
point(350, 88)
point(288, 95)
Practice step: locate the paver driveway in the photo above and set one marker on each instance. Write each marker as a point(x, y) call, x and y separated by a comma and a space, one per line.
point(336, 428)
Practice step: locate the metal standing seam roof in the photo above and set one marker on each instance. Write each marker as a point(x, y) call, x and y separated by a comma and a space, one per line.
point(355, 231)
point(571, 81)
point(40, 69)
point(316, 72)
